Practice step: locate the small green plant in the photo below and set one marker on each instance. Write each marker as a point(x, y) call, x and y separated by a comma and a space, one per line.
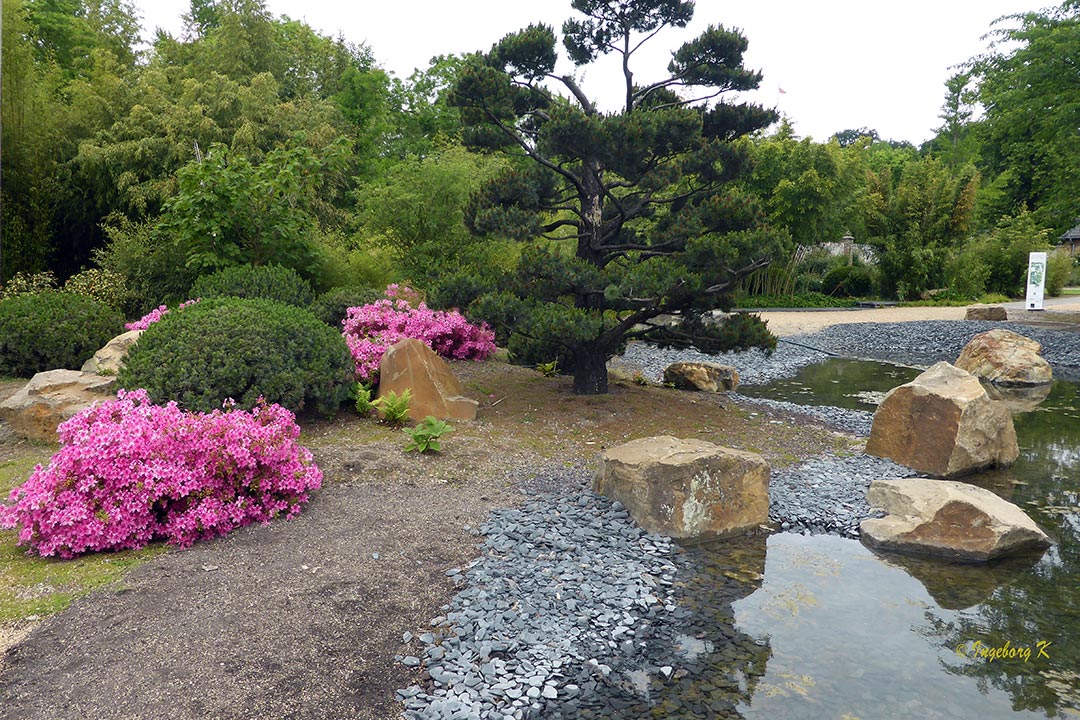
point(425, 436)
point(640, 379)
point(364, 404)
point(394, 407)
point(548, 369)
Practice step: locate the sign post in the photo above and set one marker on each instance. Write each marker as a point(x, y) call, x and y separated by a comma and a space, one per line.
point(1036, 279)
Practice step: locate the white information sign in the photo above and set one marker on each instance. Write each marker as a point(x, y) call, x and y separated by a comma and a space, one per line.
point(1036, 280)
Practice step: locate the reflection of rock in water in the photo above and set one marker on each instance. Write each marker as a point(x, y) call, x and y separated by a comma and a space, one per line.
point(1019, 398)
point(694, 663)
point(1000, 482)
point(960, 586)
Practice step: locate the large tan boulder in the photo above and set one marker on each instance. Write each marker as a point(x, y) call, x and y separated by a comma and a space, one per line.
point(109, 359)
point(1005, 358)
point(686, 488)
point(986, 312)
point(949, 519)
point(52, 397)
point(410, 364)
point(703, 376)
point(942, 423)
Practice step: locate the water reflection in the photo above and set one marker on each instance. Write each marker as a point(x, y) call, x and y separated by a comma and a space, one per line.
point(1021, 398)
point(850, 638)
point(957, 586)
point(858, 635)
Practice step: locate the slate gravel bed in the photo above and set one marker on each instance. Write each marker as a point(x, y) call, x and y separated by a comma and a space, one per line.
point(855, 422)
point(561, 598)
point(828, 494)
point(927, 342)
point(921, 343)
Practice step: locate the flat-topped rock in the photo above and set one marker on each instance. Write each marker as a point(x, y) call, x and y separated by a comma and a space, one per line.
point(686, 489)
point(943, 423)
point(948, 519)
point(702, 376)
point(412, 365)
point(52, 397)
point(995, 313)
point(1003, 357)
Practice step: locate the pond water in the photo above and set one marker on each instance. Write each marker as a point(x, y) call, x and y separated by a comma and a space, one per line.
point(794, 626)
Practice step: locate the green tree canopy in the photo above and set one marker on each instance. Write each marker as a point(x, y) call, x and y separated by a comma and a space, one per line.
point(1029, 85)
point(637, 207)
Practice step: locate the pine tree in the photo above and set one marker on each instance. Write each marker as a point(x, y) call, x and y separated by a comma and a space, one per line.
point(631, 214)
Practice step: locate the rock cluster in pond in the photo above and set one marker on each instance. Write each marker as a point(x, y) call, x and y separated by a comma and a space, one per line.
point(686, 489)
point(52, 397)
point(1003, 357)
point(944, 424)
point(948, 519)
point(702, 376)
point(412, 365)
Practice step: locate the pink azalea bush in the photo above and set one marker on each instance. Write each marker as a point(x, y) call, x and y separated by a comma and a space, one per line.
point(129, 472)
point(371, 329)
point(156, 314)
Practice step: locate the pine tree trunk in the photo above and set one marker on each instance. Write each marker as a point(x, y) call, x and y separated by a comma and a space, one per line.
point(590, 372)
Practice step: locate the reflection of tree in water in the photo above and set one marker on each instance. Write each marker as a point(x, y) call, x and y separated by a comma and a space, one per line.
point(1041, 605)
point(695, 663)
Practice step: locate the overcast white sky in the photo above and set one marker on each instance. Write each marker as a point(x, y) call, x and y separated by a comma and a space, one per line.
point(841, 63)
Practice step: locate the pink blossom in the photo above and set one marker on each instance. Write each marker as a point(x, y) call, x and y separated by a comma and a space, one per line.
point(156, 314)
point(129, 472)
point(371, 329)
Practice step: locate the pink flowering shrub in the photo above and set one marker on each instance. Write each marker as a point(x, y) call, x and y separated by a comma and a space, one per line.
point(156, 314)
point(371, 329)
point(129, 472)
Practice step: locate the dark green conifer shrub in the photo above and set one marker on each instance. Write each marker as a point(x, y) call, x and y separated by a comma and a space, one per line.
point(268, 282)
point(48, 330)
point(242, 349)
point(849, 281)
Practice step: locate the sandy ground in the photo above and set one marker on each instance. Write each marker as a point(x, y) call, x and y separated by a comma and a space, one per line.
point(799, 322)
point(790, 322)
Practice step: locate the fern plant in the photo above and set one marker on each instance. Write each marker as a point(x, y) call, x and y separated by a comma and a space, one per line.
point(394, 407)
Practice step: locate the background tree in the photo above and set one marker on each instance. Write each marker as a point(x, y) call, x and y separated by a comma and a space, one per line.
point(416, 209)
point(637, 207)
point(811, 189)
point(1029, 85)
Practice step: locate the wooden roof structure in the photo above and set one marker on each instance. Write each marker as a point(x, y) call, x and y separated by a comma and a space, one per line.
point(1071, 238)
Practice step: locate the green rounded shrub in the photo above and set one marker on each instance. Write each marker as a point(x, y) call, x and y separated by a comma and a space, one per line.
point(848, 281)
point(48, 330)
point(242, 349)
point(332, 306)
point(266, 282)
point(105, 286)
